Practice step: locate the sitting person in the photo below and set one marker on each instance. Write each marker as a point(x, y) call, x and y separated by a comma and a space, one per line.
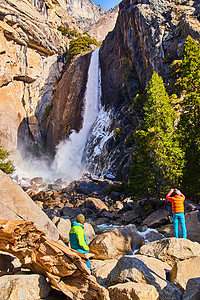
point(78, 239)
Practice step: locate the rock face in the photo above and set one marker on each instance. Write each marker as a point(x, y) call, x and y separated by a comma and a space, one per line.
point(146, 32)
point(16, 205)
point(106, 24)
point(147, 37)
point(85, 11)
point(31, 47)
point(65, 113)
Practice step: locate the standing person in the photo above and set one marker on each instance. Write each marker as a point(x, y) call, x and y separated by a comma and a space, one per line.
point(78, 239)
point(178, 211)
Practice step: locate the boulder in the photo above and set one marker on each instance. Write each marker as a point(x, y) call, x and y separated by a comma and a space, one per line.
point(63, 225)
point(116, 242)
point(89, 232)
point(192, 289)
point(157, 218)
point(184, 270)
point(17, 205)
point(95, 204)
point(171, 250)
point(70, 212)
point(101, 269)
point(18, 287)
point(167, 230)
point(130, 268)
point(132, 290)
point(192, 221)
point(159, 267)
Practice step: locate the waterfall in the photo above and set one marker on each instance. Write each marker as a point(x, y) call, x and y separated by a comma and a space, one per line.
point(69, 153)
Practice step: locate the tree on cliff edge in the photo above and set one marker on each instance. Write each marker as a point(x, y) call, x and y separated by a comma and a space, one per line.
point(5, 165)
point(157, 158)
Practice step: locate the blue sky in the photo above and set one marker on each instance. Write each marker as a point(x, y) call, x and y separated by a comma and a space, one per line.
point(107, 4)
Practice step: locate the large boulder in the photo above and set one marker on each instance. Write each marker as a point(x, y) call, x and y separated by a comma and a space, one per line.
point(18, 287)
point(17, 205)
point(184, 270)
point(132, 290)
point(116, 242)
point(89, 232)
point(171, 250)
point(130, 268)
point(157, 218)
point(95, 204)
point(101, 269)
point(159, 267)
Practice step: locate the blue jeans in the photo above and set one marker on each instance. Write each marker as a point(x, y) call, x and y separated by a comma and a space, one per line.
point(179, 218)
point(89, 264)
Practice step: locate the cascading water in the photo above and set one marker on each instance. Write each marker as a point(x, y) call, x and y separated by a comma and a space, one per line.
point(82, 150)
point(68, 160)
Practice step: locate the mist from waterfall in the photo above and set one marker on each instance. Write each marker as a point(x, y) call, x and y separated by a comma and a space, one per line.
point(69, 153)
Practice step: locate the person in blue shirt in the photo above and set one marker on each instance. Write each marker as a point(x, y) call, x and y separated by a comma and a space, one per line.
point(78, 239)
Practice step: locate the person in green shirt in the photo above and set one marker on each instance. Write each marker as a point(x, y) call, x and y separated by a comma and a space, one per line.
point(78, 239)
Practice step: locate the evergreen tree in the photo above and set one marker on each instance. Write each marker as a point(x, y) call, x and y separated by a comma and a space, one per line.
point(189, 124)
point(5, 164)
point(157, 158)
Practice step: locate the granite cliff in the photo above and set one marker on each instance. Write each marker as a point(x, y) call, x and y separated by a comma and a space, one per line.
point(32, 60)
point(148, 36)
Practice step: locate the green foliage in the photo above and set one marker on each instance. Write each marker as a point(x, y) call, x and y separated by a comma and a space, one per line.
point(5, 165)
point(157, 158)
point(67, 31)
point(78, 45)
point(189, 124)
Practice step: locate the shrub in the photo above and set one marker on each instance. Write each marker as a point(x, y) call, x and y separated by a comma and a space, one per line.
point(6, 165)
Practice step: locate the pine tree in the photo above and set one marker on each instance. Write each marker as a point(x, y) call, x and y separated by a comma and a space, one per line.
point(157, 158)
point(5, 165)
point(189, 124)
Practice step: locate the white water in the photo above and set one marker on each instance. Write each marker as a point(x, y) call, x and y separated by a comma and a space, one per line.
point(68, 160)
